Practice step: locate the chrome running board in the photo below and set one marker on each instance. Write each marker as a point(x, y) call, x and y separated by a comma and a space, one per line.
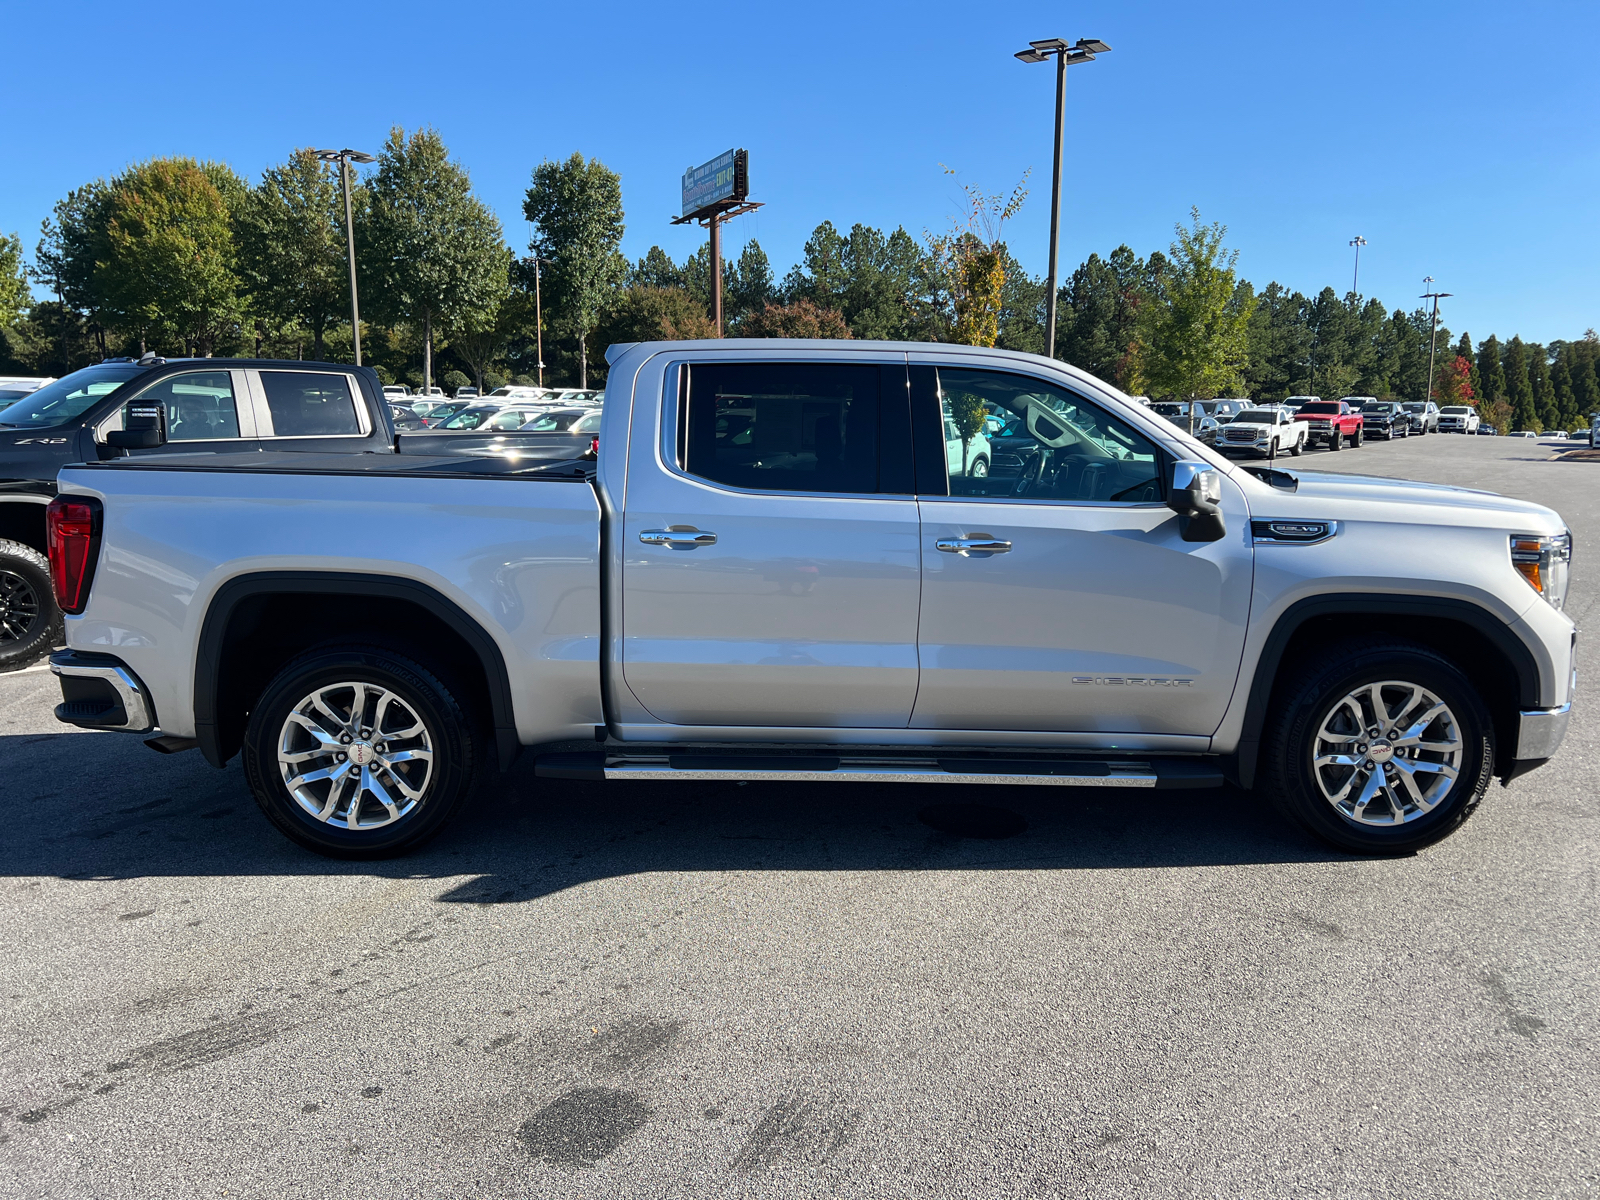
point(817, 768)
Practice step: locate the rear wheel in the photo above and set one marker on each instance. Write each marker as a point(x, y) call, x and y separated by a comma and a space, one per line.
point(362, 753)
point(1378, 749)
point(1299, 445)
point(1358, 437)
point(30, 622)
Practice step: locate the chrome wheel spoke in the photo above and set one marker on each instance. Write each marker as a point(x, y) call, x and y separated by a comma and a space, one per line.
point(1413, 792)
point(335, 793)
point(400, 756)
point(1339, 760)
point(1368, 794)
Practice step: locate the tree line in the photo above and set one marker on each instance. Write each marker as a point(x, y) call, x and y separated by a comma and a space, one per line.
point(186, 257)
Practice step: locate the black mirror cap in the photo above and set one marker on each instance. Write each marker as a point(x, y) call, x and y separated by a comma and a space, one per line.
point(136, 439)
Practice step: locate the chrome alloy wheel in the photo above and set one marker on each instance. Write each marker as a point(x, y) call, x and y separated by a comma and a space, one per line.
point(1387, 753)
point(356, 755)
point(19, 607)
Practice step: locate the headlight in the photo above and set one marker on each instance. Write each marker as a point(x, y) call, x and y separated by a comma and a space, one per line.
point(1544, 562)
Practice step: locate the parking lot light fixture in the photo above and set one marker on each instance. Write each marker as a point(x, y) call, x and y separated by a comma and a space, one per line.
point(344, 158)
point(1066, 56)
point(1358, 241)
point(1433, 331)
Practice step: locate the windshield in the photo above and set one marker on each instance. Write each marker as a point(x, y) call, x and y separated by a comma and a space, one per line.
point(554, 421)
point(67, 399)
point(1457, 410)
point(470, 418)
point(1321, 406)
point(1256, 416)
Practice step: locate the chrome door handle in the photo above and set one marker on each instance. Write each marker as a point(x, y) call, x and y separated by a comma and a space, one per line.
point(970, 545)
point(679, 537)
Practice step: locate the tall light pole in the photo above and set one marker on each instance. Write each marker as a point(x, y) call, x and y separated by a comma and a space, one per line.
point(1358, 241)
point(538, 316)
point(344, 158)
point(1433, 334)
point(1066, 56)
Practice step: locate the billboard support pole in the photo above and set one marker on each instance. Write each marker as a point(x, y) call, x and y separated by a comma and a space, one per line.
point(716, 271)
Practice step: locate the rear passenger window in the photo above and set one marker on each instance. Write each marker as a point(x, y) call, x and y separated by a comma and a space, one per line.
point(308, 404)
point(782, 427)
point(200, 406)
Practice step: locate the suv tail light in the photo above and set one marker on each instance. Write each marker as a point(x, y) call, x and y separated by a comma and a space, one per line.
point(72, 531)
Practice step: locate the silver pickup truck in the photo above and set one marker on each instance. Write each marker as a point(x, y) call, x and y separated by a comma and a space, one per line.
point(777, 569)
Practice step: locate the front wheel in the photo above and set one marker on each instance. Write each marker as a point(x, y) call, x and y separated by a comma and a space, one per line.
point(1336, 440)
point(362, 753)
point(30, 622)
point(980, 469)
point(1378, 749)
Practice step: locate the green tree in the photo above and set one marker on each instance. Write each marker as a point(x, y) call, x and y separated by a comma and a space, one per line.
point(169, 270)
point(967, 412)
point(1543, 392)
point(291, 240)
point(576, 210)
point(655, 270)
point(1491, 375)
point(432, 250)
point(14, 293)
point(1279, 344)
point(648, 314)
point(976, 261)
point(1519, 391)
point(1194, 337)
point(1096, 315)
point(1464, 350)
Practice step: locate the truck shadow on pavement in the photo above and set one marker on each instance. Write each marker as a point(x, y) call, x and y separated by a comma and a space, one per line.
point(102, 806)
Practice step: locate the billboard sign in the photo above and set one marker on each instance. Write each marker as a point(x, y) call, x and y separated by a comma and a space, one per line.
point(726, 177)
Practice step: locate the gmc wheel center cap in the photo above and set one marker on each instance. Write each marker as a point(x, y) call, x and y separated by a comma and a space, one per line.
point(1380, 751)
point(360, 753)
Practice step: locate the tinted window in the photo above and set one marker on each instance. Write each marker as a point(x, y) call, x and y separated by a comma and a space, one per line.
point(200, 406)
point(784, 427)
point(1256, 416)
point(66, 399)
point(310, 404)
point(1051, 444)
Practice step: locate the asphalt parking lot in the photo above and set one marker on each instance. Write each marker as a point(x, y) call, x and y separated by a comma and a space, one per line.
point(704, 991)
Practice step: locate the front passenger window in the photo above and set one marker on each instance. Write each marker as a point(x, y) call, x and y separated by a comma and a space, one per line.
point(1021, 438)
point(200, 406)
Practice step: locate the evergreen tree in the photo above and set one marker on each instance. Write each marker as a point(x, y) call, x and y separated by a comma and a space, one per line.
point(751, 286)
point(1545, 404)
point(14, 293)
point(655, 270)
point(1464, 350)
point(1561, 386)
point(1519, 392)
point(1491, 374)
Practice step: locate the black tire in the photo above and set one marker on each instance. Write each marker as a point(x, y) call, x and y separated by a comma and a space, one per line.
point(1359, 437)
point(1299, 445)
point(979, 468)
point(1336, 440)
point(1303, 702)
point(457, 737)
point(30, 622)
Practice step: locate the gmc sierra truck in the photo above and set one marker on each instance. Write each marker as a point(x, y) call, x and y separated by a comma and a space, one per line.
point(773, 572)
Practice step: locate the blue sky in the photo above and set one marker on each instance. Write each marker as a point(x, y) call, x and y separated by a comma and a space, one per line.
point(1458, 138)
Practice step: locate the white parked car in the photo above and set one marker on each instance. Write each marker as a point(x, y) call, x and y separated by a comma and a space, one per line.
point(15, 387)
point(1458, 418)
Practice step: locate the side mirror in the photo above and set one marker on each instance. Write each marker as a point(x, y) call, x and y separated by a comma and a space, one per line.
point(1195, 495)
point(145, 428)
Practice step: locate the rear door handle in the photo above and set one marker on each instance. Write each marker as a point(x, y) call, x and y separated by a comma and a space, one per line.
point(972, 545)
point(679, 537)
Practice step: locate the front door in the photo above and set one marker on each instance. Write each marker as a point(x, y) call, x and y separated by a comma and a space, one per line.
point(1087, 612)
point(770, 562)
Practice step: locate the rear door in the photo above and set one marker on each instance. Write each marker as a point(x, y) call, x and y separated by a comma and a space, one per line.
point(1057, 594)
point(307, 410)
point(770, 565)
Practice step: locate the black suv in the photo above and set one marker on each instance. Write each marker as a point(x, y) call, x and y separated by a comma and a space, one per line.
point(213, 405)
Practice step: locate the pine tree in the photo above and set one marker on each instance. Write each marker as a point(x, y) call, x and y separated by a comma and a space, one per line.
point(1561, 383)
point(1464, 350)
point(1541, 389)
point(1491, 376)
point(1519, 393)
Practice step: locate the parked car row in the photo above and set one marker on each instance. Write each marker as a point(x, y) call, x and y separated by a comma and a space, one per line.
point(1303, 423)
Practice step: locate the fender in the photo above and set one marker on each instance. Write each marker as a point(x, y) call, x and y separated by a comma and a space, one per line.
point(1298, 613)
point(208, 654)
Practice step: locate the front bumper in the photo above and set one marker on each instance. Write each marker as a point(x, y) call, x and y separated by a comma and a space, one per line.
point(100, 691)
point(1540, 730)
